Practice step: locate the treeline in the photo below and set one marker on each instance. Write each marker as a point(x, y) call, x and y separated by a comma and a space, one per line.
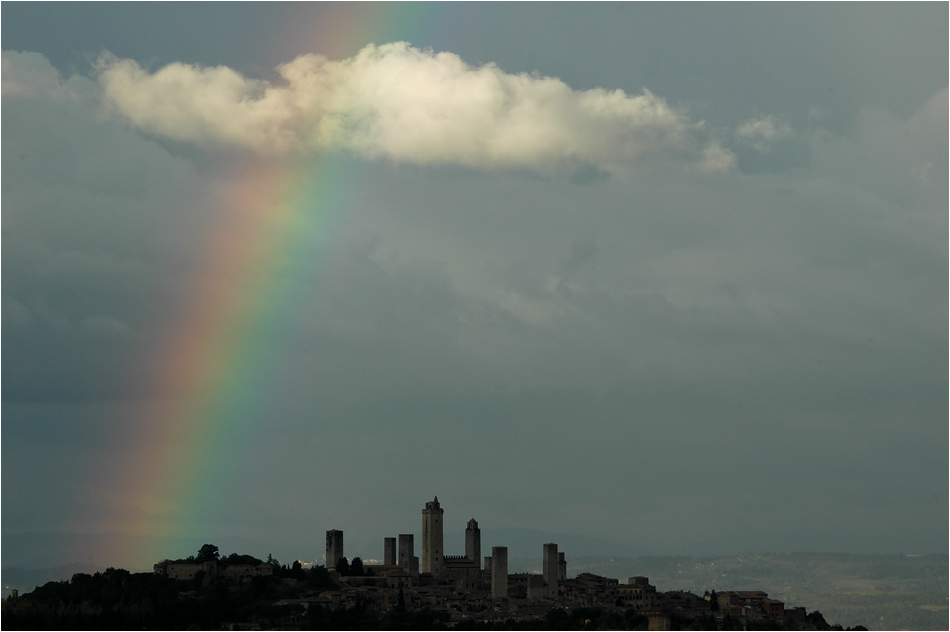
point(211, 553)
point(119, 600)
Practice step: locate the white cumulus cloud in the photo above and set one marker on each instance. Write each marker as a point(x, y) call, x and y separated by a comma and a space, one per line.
point(400, 103)
point(761, 133)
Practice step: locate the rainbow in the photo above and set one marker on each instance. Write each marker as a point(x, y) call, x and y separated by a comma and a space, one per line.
point(221, 351)
point(216, 361)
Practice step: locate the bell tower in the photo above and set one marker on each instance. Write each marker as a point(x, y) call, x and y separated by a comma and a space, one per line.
point(432, 550)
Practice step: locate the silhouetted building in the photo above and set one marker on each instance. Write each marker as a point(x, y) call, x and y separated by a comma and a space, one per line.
point(432, 550)
point(499, 572)
point(473, 543)
point(334, 548)
point(389, 551)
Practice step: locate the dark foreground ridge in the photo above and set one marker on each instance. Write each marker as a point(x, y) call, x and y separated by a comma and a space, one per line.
point(241, 592)
point(294, 598)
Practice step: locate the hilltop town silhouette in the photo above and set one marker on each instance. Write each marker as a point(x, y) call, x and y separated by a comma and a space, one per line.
point(467, 592)
point(472, 591)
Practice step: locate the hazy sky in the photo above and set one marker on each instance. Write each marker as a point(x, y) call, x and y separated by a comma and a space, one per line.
point(641, 278)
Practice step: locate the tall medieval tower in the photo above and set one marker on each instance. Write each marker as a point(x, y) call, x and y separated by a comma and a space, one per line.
point(473, 543)
point(334, 548)
point(432, 550)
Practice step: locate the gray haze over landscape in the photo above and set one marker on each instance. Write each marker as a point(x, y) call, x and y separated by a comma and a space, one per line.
point(648, 279)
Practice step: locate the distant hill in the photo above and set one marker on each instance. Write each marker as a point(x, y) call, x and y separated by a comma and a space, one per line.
point(25, 580)
point(528, 543)
point(52, 550)
point(880, 592)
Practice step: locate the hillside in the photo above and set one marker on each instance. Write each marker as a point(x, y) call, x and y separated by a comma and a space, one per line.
point(880, 592)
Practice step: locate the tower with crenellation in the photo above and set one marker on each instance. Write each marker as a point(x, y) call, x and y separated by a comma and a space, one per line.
point(432, 550)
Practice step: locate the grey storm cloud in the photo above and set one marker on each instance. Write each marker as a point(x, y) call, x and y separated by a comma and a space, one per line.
point(751, 330)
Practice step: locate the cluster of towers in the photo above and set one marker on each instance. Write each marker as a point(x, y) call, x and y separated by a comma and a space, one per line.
point(456, 568)
point(434, 561)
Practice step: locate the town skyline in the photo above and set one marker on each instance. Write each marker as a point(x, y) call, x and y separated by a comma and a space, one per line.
point(460, 589)
point(714, 593)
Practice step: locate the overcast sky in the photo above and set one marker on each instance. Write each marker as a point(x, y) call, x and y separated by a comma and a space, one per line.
point(648, 279)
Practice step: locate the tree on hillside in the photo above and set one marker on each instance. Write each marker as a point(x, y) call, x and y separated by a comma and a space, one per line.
point(207, 553)
point(343, 567)
point(356, 567)
point(235, 558)
point(817, 619)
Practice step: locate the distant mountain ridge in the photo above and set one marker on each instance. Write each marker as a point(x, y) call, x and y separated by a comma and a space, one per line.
point(25, 580)
point(529, 543)
point(37, 550)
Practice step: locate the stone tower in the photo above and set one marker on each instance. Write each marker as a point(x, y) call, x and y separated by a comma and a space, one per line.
point(432, 550)
point(473, 542)
point(407, 555)
point(406, 551)
point(549, 563)
point(389, 551)
point(334, 548)
point(499, 572)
